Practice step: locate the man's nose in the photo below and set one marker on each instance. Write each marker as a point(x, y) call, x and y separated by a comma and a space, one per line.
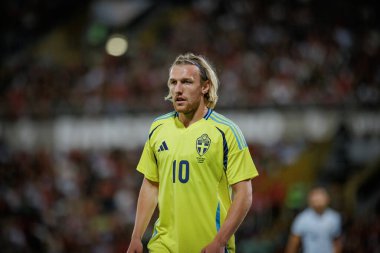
point(178, 88)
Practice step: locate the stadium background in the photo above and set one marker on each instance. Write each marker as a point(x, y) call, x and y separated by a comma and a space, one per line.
point(301, 78)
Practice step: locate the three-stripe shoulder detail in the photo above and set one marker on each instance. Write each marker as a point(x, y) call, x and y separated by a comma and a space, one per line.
point(234, 128)
point(166, 116)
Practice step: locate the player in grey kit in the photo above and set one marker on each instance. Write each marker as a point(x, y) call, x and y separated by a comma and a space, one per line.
point(318, 227)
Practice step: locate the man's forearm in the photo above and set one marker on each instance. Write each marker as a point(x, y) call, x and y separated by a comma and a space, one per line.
point(293, 244)
point(146, 204)
point(338, 247)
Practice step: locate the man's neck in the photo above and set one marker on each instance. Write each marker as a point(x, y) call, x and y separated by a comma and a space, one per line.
point(189, 118)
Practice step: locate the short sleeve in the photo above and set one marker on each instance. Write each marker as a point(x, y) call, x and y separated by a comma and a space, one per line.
point(240, 165)
point(337, 230)
point(147, 164)
point(297, 226)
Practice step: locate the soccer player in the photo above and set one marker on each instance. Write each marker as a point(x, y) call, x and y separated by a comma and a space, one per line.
point(196, 167)
point(317, 227)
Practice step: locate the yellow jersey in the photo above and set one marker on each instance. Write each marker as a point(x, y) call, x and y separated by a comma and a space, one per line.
point(195, 168)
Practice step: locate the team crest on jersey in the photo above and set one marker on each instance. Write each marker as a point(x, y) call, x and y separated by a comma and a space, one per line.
point(203, 144)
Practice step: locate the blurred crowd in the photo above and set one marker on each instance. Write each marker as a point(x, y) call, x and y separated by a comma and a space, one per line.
point(84, 201)
point(72, 202)
point(266, 54)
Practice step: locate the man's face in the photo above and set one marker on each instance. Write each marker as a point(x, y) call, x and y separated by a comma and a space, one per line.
point(318, 200)
point(186, 89)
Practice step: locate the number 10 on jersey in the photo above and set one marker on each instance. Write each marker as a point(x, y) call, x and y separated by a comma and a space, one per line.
point(183, 171)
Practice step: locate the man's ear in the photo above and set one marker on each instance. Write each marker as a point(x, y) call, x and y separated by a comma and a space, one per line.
point(205, 87)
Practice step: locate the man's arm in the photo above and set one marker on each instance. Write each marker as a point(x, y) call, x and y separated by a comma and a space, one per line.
point(293, 243)
point(146, 204)
point(337, 244)
point(241, 203)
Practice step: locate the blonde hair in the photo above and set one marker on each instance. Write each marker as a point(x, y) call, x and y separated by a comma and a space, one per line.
point(206, 72)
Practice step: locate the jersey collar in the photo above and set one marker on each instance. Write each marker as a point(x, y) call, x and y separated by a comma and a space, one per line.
point(207, 115)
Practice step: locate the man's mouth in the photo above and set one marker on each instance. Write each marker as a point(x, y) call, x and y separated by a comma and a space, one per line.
point(179, 99)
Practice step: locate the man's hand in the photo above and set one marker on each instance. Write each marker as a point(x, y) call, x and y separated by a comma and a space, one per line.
point(214, 247)
point(135, 246)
